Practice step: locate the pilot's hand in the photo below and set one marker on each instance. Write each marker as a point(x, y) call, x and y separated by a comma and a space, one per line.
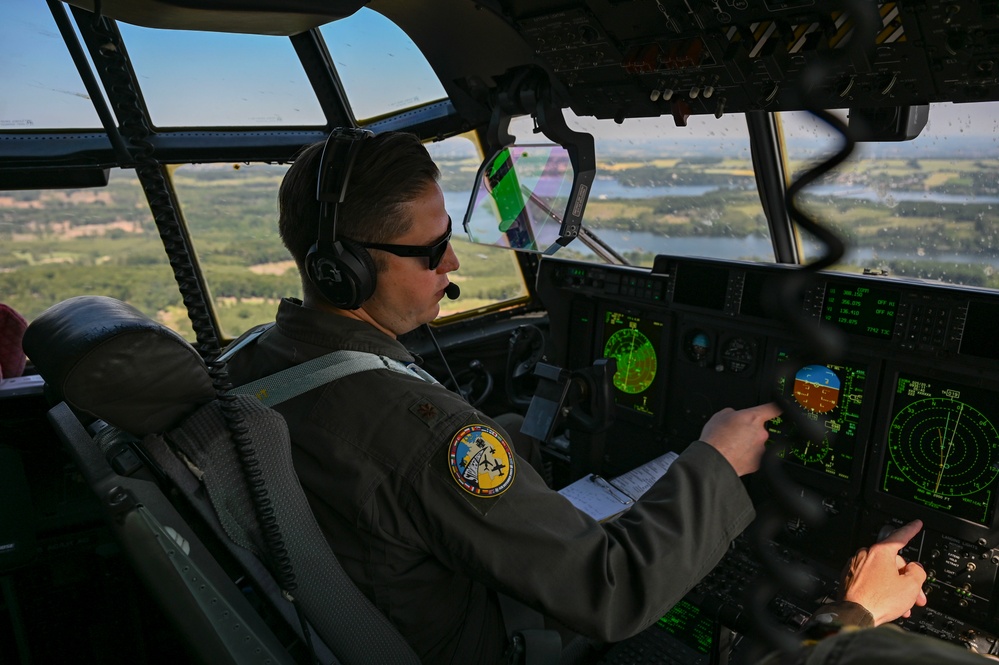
point(740, 435)
point(880, 580)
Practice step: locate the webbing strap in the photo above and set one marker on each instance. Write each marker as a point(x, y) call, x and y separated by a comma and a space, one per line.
point(294, 381)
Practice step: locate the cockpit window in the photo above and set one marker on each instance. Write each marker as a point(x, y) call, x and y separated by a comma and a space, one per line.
point(231, 212)
point(381, 68)
point(663, 189)
point(211, 79)
point(41, 86)
point(59, 243)
point(926, 208)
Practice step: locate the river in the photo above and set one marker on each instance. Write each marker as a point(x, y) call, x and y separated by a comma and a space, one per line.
point(752, 247)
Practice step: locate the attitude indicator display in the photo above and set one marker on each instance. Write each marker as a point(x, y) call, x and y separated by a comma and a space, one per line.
point(821, 429)
point(943, 447)
point(634, 342)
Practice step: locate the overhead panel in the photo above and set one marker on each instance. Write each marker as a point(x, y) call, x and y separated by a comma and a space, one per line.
point(683, 57)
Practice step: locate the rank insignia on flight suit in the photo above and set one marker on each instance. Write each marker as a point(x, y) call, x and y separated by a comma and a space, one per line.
point(481, 461)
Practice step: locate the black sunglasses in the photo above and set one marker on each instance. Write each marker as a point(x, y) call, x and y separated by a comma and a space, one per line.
point(434, 253)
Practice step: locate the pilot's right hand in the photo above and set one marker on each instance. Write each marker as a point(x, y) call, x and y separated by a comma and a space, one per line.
point(740, 435)
point(880, 579)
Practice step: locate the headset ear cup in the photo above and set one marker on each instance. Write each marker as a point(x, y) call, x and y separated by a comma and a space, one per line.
point(344, 274)
point(365, 271)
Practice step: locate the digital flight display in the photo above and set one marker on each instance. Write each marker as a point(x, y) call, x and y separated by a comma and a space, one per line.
point(828, 399)
point(861, 310)
point(634, 341)
point(689, 624)
point(942, 448)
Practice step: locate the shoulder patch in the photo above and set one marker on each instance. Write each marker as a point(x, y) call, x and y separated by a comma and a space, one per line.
point(481, 461)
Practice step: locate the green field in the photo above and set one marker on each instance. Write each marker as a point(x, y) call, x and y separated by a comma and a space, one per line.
point(55, 244)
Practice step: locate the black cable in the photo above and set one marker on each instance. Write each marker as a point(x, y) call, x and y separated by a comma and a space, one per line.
point(440, 352)
point(790, 500)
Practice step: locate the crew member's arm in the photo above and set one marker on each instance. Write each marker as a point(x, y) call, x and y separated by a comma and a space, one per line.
point(879, 585)
point(608, 580)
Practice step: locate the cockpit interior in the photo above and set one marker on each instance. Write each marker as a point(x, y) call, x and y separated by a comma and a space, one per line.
point(662, 208)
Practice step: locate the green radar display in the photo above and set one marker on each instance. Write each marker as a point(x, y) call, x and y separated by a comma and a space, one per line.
point(943, 448)
point(633, 341)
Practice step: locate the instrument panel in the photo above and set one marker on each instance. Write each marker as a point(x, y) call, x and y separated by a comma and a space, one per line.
point(903, 423)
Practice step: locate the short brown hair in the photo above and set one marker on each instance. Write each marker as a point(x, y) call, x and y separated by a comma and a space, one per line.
point(391, 170)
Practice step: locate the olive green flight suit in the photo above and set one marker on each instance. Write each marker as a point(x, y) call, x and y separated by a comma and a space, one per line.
point(374, 454)
point(843, 634)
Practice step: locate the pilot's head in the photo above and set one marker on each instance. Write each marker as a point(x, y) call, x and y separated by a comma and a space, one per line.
point(392, 199)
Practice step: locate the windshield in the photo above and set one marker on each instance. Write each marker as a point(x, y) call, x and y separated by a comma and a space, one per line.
point(659, 189)
point(924, 208)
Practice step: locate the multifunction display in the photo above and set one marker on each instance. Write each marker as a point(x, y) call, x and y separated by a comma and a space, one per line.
point(943, 448)
point(634, 340)
point(861, 310)
point(820, 430)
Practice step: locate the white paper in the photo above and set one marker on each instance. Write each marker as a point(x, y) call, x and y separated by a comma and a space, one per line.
point(602, 499)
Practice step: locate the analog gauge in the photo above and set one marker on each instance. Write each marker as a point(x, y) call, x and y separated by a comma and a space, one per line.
point(738, 354)
point(636, 360)
point(697, 346)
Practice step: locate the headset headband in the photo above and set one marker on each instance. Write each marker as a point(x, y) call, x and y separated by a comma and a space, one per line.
point(335, 167)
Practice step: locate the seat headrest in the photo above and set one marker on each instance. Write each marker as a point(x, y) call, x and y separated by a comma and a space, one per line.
point(108, 359)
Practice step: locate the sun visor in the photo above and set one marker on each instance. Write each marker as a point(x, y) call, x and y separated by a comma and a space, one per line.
point(521, 197)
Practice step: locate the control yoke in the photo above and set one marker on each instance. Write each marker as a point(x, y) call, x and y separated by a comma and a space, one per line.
point(582, 399)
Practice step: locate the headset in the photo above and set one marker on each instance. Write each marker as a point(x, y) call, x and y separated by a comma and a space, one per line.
point(342, 270)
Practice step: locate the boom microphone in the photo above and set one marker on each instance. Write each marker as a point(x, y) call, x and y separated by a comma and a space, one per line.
point(452, 291)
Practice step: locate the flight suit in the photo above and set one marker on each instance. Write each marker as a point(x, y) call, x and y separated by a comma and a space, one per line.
point(843, 634)
point(431, 514)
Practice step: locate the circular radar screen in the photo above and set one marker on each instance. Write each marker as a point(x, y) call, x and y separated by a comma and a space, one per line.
point(636, 360)
point(944, 446)
point(816, 388)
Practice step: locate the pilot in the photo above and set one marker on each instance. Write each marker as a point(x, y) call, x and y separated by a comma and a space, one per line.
point(428, 530)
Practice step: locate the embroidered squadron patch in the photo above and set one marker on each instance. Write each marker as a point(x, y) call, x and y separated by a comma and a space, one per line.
point(481, 461)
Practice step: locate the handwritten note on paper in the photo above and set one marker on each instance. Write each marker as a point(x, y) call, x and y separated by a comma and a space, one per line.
point(604, 499)
point(594, 499)
point(638, 481)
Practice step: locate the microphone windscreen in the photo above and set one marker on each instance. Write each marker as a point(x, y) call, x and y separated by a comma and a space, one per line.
point(452, 291)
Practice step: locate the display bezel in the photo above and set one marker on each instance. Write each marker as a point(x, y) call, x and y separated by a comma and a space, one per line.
point(820, 480)
point(905, 508)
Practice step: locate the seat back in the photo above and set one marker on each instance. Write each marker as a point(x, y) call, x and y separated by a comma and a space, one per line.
point(228, 456)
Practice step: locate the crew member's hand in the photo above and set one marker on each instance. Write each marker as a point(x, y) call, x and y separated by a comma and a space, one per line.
point(880, 580)
point(739, 435)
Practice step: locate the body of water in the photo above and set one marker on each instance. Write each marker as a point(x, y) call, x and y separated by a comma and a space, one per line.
point(757, 248)
point(605, 188)
point(752, 247)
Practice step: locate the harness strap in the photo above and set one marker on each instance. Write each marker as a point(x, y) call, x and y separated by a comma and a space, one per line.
point(282, 386)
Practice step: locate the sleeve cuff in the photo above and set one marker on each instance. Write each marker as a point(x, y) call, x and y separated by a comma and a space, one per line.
point(834, 617)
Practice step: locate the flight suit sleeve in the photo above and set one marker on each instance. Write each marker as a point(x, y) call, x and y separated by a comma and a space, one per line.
point(607, 581)
point(887, 645)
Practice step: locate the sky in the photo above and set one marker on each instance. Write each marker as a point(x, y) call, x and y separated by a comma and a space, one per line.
point(218, 79)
